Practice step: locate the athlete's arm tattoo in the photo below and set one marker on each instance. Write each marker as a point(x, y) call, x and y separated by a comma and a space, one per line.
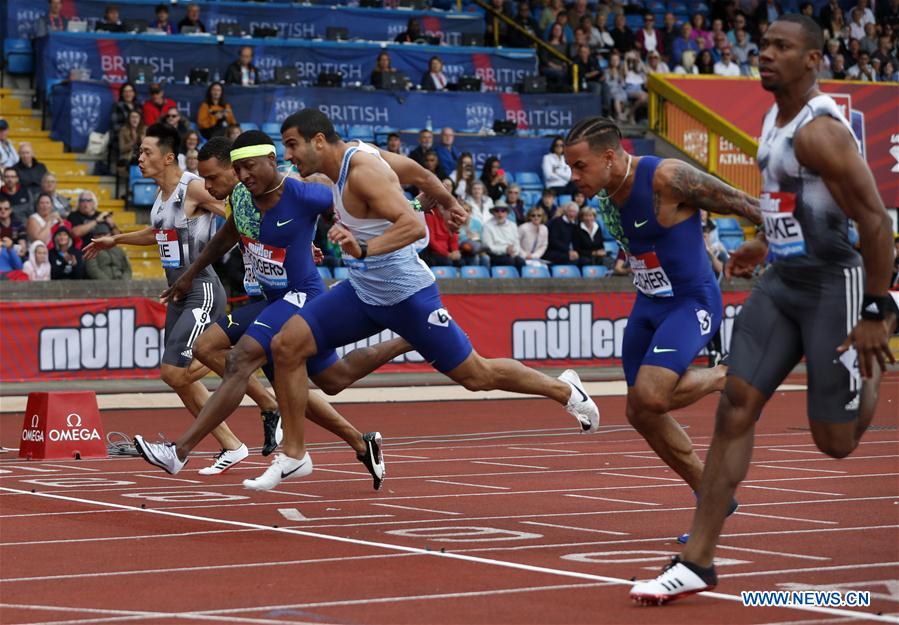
point(698, 189)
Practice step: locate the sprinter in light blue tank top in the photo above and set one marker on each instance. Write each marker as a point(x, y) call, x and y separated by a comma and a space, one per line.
point(389, 287)
point(651, 206)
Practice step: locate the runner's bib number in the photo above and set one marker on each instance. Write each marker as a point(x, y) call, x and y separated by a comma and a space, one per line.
point(169, 248)
point(782, 229)
point(268, 263)
point(250, 284)
point(649, 277)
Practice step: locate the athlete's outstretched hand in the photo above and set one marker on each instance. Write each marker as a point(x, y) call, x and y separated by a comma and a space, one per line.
point(871, 340)
point(745, 259)
point(178, 290)
point(97, 245)
point(317, 255)
point(345, 239)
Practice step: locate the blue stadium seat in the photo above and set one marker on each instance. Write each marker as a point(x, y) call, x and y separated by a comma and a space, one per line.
point(363, 132)
point(529, 181)
point(279, 149)
point(272, 129)
point(534, 271)
point(728, 225)
point(611, 248)
point(245, 126)
point(504, 271)
point(18, 56)
point(442, 273)
point(655, 6)
point(475, 271)
point(566, 271)
point(635, 22)
point(325, 273)
point(595, 271)
point(530, 198)
point(510, 176)
point(699, 7)
point(341, 273)
point(731, 241)
point(678, 8)
point(562, 200)
point(143, 192)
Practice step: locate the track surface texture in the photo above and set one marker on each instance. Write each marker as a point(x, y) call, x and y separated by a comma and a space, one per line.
point(493, 512)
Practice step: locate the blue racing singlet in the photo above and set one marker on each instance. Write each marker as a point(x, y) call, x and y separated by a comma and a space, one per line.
point(665, 261)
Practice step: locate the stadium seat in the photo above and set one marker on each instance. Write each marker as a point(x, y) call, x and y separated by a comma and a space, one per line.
point(731, 241)
point(475, 271)
point(325, 273)
point(611, 248)
point(562, 200)
point(245, 126)
point(143, 193)
point(272, 129)
point(442, 273)
point(504, 271)
point(727, 225)
point(678, 8)
point(341, 273)
point(655, 6)
point(595, 271)
point(363, 132)
point(534, 271)
point(530, 197)
point(566, 271)
point(279, 149)
point(18, 56)
point(529, 181)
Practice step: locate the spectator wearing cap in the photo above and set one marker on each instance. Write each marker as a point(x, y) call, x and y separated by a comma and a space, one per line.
point(157, 105)
point(66, 262)
point(162, 19)
point(8, 154)
point(14, 193)
point(500, 237)
point(53, 21)
point(31, 171)
point(443, 245)
point(751, 68)
point(192, 19)
point(562, 232)
point(242, 71)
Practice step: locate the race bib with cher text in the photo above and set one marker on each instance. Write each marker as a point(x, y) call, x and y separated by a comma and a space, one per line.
point(782, 229)
point(649, 277)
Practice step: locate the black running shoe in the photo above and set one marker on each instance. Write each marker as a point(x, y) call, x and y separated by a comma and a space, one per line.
point(271, 420)
point(372, 458)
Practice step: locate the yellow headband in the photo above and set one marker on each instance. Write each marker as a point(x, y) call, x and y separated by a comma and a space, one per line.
point(251, 151)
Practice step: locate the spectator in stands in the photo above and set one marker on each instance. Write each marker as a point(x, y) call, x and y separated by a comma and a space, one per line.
point(463, 175)
point(37, 267)
point(88, 222)
point(242, 71)
point(838, 68)
point(837, 27)
point(768, 11)
point(515, 38)
point(890, 72)
point(706, 62)
point(562, 232)
point(556, 172)
point(700, 33)
point(192, 19)
point(157, 106)
point(394, 143)
point(550, 65)
point(577, 12)
point(869, 42)
point(471, 246)
point(30, 170)
point(192, 161)
point(567, 33)
point(111, 264)
point(635, 85)
point(8, 154)
point(738, 24)
point(443, 245)
point(590, 75)
point(884, 53)
point(53, 21)
point(130, 137)
point(547, 202)
point(648, 38)
point(479, 202)
point(533, 236)
point(622, 35)
point(743, 47)
point(853, 51)
point(549, 14)
point(655, 64)
point(751, 68)
point(11, 227)
point(494, 178)
point(215, 114)
point(44, 220)
point(432, 164)
point(61, 203)
point(856, 24)
point(66, 262)
point(10, 260)
point(425, 143)
point(668, 34)
point(127, 103)
point(191, 141)
point(161, 22)
point(726, 66)
point(382, 66)
point(588, 241)
point(517, 209)
point(412, 34)
point(500, 238)
point(685, 42)
point(863, 70)
point(446, 151)
point(600, 41)
point(111, 21)
point(434, 79)
point(173, 118)
point(17, 195)
point(234, 132)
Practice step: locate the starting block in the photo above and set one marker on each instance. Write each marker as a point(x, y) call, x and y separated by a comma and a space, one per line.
point(62, 425)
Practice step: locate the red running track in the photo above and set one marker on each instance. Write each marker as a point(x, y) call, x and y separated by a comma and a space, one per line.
point(493, 512)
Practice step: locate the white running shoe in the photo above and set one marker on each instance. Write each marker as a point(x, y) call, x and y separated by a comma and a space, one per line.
point(282, 468)
point(162, 455)
point(579, 404)
point(225, 460)
point(678, 579)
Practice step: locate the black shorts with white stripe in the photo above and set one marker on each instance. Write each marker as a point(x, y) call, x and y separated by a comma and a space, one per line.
point(186, 319)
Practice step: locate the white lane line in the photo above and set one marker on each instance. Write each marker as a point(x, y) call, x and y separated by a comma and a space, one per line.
point(768, 466)
point(580, 529)
point(291, 514)
point(65, 466)
point(63, 541)
point(546, 451)
point(796, 490)
point(390, 505)
point(171, 479)
point(393, 455)
point(471, 485)
point(642, 477)
point(775, 553)
point(508, 464)
point(434, 554)
point(356, 473)
point(638, 503)
point(794, 451)
point(136, 615)
point(784, 518)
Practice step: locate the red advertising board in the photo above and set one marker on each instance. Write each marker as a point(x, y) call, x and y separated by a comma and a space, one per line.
point(123, 338)
point(870, 108)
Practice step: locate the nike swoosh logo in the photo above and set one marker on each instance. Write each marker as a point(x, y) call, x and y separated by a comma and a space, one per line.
point(583, 394)
point(289, 473)
point(264, 325)
point(640, 224)
point(662, 350)
point(283, 223)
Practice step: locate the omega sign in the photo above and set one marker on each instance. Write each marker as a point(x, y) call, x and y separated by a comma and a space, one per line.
point(73, 431)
